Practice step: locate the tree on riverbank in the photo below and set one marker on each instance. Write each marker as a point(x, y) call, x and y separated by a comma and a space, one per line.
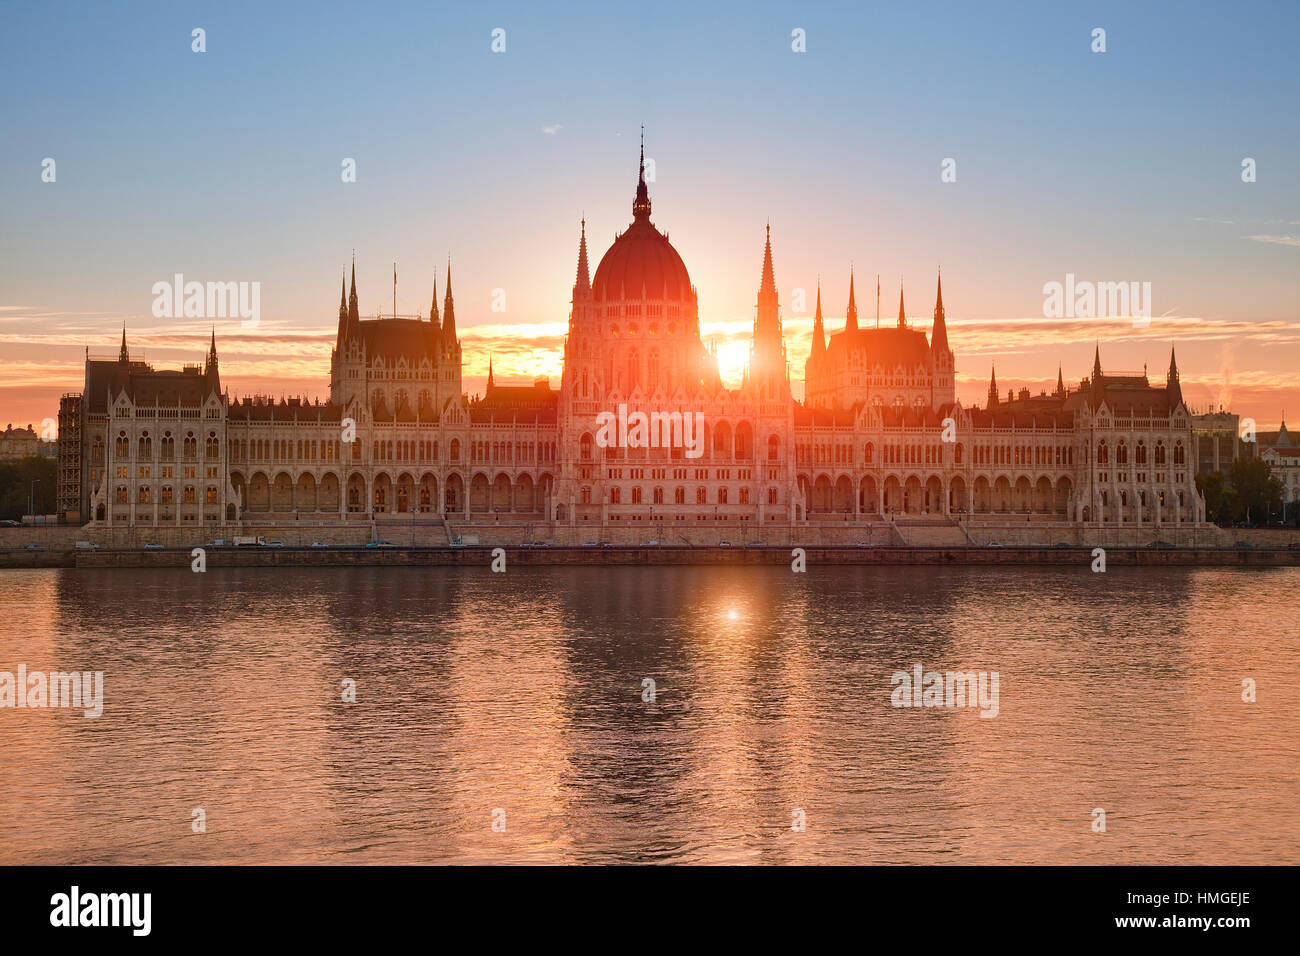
point(1247, 493)
point(16, 479)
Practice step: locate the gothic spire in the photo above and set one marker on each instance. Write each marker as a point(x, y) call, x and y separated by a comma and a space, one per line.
point(212, 350)
point(582, 286)
point(1172, 387)
point(851, 321)
point(902, 316)
point(1060, 380)
point(768, 282)
point(939, 335)
point(433, 306)
point(993, 387)
point(448, 313)
point(343, 310)
point(122, 354)
point(491, 382)
point(354, 313)
point(819, 332)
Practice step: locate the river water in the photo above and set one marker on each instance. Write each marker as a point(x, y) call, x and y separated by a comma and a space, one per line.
point(500, 717)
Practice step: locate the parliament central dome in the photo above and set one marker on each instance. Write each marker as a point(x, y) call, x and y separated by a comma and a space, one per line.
point(641, 262)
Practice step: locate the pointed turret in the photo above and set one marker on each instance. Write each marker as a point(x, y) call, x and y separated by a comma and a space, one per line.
point(1060, 381)
point(993, 387)
point(582, 285)
point(767, 316)
point(343, 311)
point(122, 354)
point(767, 284)
point(354, 312)
point(902, 316)
point(1095, 381)
point(491, 382)
point(851, 314)
point(1173, 389)
point(433, 307)
point(210, 370)
point(939, 334)
point(819, 332)
point(448, 314)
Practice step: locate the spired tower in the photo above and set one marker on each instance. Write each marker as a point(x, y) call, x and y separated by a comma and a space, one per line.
point(634, 340)
point(404, 367)
point(769, 376)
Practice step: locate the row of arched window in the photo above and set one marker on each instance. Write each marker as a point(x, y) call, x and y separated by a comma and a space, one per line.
point(166, 495)
point(144, 446)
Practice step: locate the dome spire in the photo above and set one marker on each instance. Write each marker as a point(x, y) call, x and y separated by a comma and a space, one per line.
point(641, 206)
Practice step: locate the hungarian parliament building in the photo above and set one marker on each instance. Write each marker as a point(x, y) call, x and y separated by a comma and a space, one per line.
point(879, 437)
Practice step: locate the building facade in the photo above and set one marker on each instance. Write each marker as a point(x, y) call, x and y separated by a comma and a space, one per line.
point(880, 434)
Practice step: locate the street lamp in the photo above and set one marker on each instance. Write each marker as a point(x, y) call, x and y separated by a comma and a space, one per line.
point(31, 499)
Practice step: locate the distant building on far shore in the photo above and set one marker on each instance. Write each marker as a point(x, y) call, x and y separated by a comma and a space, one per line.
point(1283, 456)
point(1217, 437)
point(18, 443)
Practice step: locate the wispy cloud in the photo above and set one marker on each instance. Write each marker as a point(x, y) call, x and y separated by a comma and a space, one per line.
point(1279, 240)
point(552, 130)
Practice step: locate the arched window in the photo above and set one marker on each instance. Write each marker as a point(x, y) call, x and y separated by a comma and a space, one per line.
point(189, 494)
point(122, 447)
point(659, 496)
point(869, 453)
point(722, 496)
point(1103, 454)
point(773, 447)
point(455, 449)
point(191, 445)
point(212, 446)
point(1179, 453)
point(146, 445)
point(679, 496)
point(700, 494)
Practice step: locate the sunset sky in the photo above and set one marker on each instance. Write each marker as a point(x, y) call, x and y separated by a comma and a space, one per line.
point(225, 166)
